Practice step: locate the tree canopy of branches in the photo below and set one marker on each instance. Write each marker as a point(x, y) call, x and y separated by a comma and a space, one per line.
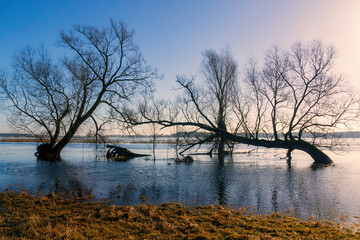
point(52, 100)
point(294, 98)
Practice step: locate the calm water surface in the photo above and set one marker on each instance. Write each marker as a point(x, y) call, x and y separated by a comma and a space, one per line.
point(261, 181)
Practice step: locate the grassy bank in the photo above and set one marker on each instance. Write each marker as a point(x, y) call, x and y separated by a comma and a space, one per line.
point(23, 216)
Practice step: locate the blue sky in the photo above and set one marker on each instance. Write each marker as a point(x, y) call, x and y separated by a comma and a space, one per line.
point(172, 34)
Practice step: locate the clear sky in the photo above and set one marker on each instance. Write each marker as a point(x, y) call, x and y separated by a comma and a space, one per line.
point(172, 33)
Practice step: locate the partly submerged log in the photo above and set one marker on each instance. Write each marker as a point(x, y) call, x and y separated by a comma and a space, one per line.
point(319, 157)
point(187, 159)
point(121, 154)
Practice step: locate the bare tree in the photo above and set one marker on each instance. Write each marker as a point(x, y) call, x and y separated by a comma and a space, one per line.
point(200, 105)
point(220, 73)
point(52, 101)
point(305, 95)
point(154, 110)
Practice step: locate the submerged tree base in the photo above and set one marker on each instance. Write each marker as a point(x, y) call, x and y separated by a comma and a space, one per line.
point(46, 152)
point(53, 217)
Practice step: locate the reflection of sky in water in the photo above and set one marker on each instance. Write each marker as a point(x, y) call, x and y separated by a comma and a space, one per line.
point(261, 180)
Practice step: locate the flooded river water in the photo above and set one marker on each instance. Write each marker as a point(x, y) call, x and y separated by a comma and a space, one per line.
point(261, 181)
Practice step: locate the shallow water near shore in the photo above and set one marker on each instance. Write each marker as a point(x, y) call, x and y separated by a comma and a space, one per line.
point(261, 181)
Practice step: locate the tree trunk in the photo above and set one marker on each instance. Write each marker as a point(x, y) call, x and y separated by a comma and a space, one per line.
point(221, 148)
point(317, 155)
point(222, 138)
point(51, 152)
point(289, 157)
point(47, 152)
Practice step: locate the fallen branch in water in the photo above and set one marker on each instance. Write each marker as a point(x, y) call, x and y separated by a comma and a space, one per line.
point(121, 154)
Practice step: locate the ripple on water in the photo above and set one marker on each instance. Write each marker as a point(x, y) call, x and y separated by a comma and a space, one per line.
point(260, 180)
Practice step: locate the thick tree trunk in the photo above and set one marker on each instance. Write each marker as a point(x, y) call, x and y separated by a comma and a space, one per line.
point(221, 148)
point(288, 154)
point(289, 157)
point(52, 152)
point(221, 138)
point(317, 155)
point(46, 152)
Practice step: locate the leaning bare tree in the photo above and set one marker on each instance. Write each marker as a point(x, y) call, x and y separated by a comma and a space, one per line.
point(52, 101)
point(295, 95)
point(306, 98)
point(207, 104)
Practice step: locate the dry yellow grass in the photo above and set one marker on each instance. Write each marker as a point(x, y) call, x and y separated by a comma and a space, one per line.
point(23, 216)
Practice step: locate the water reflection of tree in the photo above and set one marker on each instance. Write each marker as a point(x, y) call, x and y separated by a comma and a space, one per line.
point(228, 183)
point(59, 177)
point(309, 195)
point(220, 180)
point(181, 182)
point(274, 198)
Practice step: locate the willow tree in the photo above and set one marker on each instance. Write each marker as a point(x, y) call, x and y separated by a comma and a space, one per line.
point(211, 99)
point(53, 100)
point(308, 100)
point(295, 97)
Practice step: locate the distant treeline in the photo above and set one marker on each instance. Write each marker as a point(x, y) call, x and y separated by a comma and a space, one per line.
point(15, 135)
point(355, 134)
